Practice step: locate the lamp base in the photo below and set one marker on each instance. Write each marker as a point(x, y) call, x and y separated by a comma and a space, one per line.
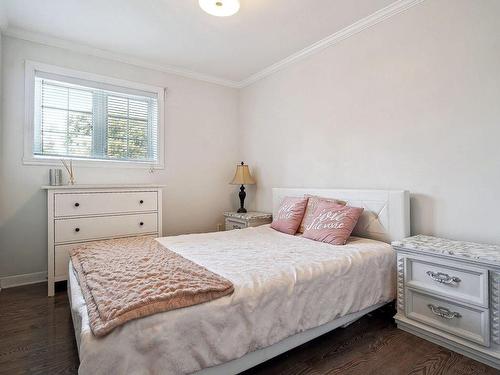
point(242, 195)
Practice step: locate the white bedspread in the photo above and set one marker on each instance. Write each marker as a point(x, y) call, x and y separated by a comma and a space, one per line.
point(283, 285)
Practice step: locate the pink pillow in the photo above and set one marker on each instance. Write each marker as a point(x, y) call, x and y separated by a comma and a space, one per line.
point(289, 215)
point(332, 223)
point(312, 203)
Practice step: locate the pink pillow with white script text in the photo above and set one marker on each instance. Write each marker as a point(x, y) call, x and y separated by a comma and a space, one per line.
point(332, 223)
point(289, 215)
point(312, 203)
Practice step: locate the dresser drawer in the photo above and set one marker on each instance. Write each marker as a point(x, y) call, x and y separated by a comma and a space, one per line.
point(61, 261)
point(461, 282)
point(80, 204)
point(82, 229)
point(231, 224)
point(466, 322)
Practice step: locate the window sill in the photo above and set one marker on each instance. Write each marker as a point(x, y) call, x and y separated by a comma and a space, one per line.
point(92, 163)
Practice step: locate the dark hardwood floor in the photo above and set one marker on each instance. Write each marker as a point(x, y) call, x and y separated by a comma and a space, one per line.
point(36, 337)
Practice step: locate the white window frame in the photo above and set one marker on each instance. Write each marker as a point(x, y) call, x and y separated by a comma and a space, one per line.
point(31, 67)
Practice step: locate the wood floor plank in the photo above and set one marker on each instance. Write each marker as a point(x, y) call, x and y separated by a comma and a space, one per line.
point(36, 337)
point(36, 333)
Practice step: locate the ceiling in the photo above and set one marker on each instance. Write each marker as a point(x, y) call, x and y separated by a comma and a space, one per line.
point(177, 33)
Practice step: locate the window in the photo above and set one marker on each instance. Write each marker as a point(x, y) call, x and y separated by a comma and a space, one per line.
point(96, 119)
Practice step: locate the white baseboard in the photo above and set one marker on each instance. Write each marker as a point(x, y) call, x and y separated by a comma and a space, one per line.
point(26, 279)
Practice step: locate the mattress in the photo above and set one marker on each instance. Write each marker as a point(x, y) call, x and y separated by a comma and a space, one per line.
point(283, 285)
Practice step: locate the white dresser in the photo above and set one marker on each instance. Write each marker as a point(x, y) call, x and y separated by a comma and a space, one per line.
point(449, 293)
point(82, 213)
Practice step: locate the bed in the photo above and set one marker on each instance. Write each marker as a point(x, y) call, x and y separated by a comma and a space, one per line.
point(288, 290)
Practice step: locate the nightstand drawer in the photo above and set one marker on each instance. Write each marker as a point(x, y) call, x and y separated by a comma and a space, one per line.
point(455, 281)
point(234, 224)
point(466, 322)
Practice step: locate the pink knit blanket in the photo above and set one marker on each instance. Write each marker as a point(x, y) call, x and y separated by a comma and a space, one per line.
point(130, 278)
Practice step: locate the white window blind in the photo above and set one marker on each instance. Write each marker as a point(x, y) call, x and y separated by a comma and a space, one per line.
point(74, 118)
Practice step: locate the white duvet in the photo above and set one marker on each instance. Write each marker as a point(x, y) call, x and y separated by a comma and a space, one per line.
point(283, 285)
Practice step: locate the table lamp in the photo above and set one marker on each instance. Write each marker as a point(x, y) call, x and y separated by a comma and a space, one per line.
point(242, 177)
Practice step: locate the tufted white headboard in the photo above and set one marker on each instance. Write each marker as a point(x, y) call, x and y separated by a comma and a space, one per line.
point(386, 216)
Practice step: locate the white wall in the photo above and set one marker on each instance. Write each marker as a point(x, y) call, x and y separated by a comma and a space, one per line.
point(411, 103)
point(201, 153)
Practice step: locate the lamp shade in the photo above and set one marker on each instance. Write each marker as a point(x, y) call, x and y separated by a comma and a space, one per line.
point(242, 175)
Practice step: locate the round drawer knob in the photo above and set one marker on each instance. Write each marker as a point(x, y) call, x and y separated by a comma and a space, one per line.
point(141, 201)
point(77, 204)
point(77, 229)
point(141, 223)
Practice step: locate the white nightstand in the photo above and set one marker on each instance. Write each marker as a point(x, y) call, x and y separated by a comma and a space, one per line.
point(235, 220)
point(449, 293)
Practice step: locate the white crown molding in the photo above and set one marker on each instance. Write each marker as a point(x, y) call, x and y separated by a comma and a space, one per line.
point(358, 26)
point(84, 49)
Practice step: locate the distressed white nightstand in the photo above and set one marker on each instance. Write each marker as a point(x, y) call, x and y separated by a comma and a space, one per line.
point(449, 293)
point(235, 220)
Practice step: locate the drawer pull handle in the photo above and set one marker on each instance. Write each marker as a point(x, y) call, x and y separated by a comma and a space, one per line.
point(443, 312)
point(77, 229)
point(77, 204)
point(141, 223)
point(443, 278)
point(141, 201)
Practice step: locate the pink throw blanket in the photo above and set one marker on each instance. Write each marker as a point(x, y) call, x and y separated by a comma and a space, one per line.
point(130, 278)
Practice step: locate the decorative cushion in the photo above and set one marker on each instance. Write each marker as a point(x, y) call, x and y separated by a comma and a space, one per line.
point(289, 215)
point(312, 203)
point(332, 223)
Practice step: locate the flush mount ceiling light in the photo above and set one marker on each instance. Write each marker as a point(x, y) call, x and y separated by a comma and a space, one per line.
point(220, 8)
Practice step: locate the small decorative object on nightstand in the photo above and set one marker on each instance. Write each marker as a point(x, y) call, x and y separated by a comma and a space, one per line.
point(242, 177)
point(449, 293)
point(238, 220)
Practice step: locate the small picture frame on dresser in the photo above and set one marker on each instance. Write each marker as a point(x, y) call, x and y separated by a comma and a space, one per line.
point(237, 220)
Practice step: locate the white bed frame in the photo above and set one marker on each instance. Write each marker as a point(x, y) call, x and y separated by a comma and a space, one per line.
point(386, 218)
